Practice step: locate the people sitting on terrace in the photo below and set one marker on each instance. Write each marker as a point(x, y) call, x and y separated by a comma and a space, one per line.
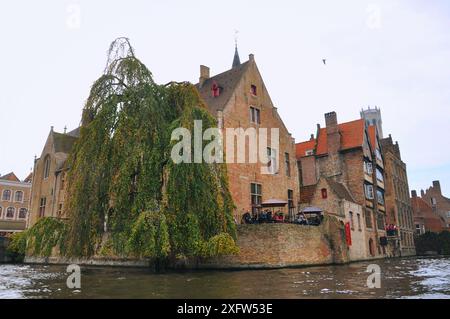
point(391, 230)
point(301, 219)
point(279, 217)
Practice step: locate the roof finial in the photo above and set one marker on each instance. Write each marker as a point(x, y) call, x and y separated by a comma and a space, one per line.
point(236, 60)
point(65, 129)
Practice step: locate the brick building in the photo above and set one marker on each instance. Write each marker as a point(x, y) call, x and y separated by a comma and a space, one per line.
point(238, 98)
point(398, 203)
point(49, 176)
point(425, 218)
point(14, 203)
point(438, 202)
point(336, 200)
point(350, 154)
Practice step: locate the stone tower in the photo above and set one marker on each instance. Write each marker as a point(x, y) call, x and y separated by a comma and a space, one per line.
point(373, 117)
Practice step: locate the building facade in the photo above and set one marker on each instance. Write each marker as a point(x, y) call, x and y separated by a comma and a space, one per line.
point(336, 200)
point(425, 218)
point(438, 202)
point(350, 154)
point(14, 203)
point(49, 176)
point(398, 203)
point(239, 99)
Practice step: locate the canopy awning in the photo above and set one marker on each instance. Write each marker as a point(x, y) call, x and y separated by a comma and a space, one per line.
point(311, 210)
point(274, 203)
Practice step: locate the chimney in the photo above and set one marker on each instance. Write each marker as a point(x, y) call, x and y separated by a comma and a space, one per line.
point(330, 119)
point(333, 136)
point(312, 137)
point(414, 194)
point(422, 193)
point(437, 186)
point(204, 74)
point(251, 57)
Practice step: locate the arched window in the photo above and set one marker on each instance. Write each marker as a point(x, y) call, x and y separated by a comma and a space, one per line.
point(23, 213)
point(47, 167)
point(18, 196)
point(10, 212)
point(6, 195)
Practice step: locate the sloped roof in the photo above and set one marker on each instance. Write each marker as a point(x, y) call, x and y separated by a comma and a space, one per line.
point(75, 132)
point(10, 177)
point(63, 142)
point(302, 148)
point(227, 81)
point(352, 136)
point(340, 190)
point(423, 212)
point(29, 178)
point(372, 130)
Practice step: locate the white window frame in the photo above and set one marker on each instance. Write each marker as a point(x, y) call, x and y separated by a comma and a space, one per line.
point(369, 192)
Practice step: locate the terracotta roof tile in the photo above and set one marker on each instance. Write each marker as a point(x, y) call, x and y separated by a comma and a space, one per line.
point(302, 148)
point(352, 135)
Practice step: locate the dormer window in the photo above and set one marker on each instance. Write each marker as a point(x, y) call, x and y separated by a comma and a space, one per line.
point(215, 90)
point(253, 90)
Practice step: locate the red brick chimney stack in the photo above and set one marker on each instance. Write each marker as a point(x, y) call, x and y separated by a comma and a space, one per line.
point(333, 136)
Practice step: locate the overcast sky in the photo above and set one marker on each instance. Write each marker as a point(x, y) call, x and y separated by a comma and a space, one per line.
point(390, 54)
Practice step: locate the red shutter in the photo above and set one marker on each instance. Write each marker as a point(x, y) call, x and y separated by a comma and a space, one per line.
point(348, 234)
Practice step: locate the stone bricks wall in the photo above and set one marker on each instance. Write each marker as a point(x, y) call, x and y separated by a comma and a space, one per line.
point(285, 245)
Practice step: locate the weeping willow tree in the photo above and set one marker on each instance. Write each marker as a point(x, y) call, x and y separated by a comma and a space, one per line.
point(122, 180)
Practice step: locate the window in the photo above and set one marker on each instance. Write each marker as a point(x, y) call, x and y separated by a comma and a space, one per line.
point(254, 90)
point(287, 164)
point(216, 90)
point(378, 155)
point(359, 222)
point(18, 196)
point(255, 115)
point(380, 221)
point(10, 212)
point(448, 214)
point(369, 191)
point(324, 193)
point(309, 152)
point(63, 180)
point(23, 213)
point(1, 212)
point(291, 202)
point(6, 195)
point(368, 169)
point(433, 201)
point(47, 167)
point(60, 209)
point(380, 197)
point(418, 229)
point(380, 176)
point(352, 224)
point(273, 164)
point(42, 204)
point(256, 195)
point(368, 219)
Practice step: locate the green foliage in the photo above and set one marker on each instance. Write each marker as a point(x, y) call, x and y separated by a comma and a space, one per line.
point(219, 245)
point(45, 235)
point(121, 174)
point(17, 245)
point(149, 236)
point(429, 241)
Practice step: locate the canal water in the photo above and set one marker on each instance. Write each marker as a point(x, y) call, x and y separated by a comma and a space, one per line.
point(400, 278)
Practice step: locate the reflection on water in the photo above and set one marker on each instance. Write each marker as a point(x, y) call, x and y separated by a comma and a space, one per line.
point(401, 278)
